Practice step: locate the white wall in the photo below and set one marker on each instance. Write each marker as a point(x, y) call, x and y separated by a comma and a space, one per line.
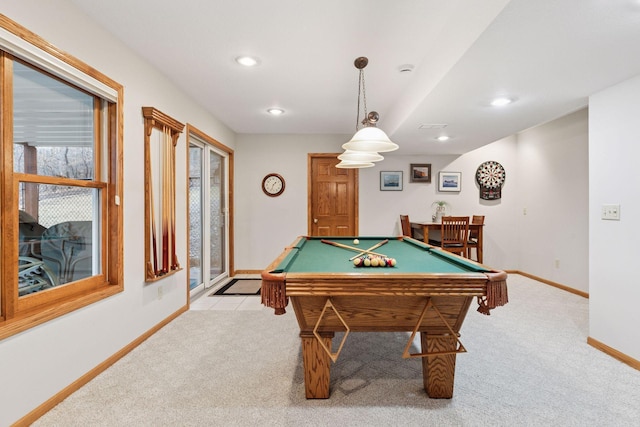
point(380, 210)
point(614, 149)
point(546, 174)
point(260, 219)
point(42, 361)
point(555, 227)
point(553, 190)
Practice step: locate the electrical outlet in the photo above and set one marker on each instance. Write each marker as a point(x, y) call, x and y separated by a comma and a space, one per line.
point(557, 263)
point(611, 212)
point(160, 292)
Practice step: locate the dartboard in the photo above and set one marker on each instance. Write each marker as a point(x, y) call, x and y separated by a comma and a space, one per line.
point(490, 175)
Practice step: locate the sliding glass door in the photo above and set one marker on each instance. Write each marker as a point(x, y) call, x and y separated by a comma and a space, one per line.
point(208, 213)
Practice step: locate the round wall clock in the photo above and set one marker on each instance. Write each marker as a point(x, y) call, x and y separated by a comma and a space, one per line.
point(273, 185)
point(490, 176)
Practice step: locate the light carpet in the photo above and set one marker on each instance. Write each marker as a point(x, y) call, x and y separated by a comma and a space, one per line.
point(528, 364)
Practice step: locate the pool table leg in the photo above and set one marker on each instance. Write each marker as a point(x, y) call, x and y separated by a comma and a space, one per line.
point(317, 365)
point(438, 370)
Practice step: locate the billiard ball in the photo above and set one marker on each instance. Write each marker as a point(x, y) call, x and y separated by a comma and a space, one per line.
point(367, 262)
point(393, 262)
point(358, 262)
point(356, 241)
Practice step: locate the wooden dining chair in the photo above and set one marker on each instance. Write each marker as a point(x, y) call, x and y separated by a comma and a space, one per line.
point(454, 234)
point(472, 242)
point(406, 225)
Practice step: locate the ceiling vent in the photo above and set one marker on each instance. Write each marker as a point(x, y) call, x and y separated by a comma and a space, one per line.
point(432, 126)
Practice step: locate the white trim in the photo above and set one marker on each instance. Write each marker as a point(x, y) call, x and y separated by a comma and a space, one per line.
point(32, 54)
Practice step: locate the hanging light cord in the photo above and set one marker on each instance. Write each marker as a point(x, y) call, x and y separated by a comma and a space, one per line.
point(361, 90)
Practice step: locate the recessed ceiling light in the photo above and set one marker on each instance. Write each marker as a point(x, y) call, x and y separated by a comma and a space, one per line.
point(275, 111)
point(499, 102)
point(442, 138)
point(247, 61)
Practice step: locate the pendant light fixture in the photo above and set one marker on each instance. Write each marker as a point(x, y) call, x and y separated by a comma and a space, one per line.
point(354, 164)
point(360, 156)
point(368, 141)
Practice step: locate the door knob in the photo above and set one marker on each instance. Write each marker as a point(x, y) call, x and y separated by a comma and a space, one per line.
point(315, 220)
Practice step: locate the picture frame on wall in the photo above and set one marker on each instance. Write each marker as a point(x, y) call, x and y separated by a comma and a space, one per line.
point(449, 181)
point(390, 180)
point(420, 172)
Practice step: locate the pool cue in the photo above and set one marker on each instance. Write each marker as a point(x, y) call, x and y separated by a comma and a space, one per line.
point(174, 264)
point(153, 216)
point(340, 245)
point(172, 200)
point(370, 249)
point(165, 206)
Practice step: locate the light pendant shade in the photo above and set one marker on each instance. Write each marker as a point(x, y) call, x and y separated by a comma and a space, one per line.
point(360, 156)
point(368, 141)
point(352, 164)
point(370, 138)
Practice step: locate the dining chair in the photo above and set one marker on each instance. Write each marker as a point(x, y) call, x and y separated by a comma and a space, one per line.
point(406, 225)
point(454, 234)
point(472, 242)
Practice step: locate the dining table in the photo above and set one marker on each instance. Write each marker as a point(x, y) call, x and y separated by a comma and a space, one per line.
point(426, 226)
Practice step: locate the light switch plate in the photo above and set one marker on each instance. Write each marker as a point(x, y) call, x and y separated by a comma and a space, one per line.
point(611, 212)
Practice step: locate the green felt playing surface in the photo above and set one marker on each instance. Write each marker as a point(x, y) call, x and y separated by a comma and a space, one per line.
point(310, 254)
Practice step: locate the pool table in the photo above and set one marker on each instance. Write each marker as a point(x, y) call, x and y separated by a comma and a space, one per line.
point(428, 291)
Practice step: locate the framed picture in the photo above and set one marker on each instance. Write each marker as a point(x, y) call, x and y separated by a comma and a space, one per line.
point(390, 180)
point(449, 181)
point(420, 172)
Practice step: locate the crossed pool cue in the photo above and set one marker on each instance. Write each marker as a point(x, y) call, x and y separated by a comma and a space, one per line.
point(361, 251)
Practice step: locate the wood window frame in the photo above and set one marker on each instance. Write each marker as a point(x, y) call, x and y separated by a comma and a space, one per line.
point(18, 314)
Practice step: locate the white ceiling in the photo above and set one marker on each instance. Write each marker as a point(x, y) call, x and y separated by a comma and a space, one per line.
point(548, 54)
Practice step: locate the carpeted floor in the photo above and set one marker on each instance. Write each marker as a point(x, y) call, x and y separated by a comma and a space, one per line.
point(528, 364)
point(240, 287)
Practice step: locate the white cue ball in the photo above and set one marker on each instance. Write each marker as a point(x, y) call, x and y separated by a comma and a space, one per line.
point(356, 241)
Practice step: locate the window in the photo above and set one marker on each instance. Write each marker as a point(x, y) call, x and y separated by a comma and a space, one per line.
point(61, 224)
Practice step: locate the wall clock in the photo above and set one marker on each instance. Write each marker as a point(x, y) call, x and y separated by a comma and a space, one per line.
point(490, 176)
point(273, 185)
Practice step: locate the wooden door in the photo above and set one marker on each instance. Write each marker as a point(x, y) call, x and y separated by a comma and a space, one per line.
point(333, 197)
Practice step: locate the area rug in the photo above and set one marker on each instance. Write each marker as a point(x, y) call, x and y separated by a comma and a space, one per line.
point(240, 287)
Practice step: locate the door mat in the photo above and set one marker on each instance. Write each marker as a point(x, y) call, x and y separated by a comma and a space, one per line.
point(240, 287)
